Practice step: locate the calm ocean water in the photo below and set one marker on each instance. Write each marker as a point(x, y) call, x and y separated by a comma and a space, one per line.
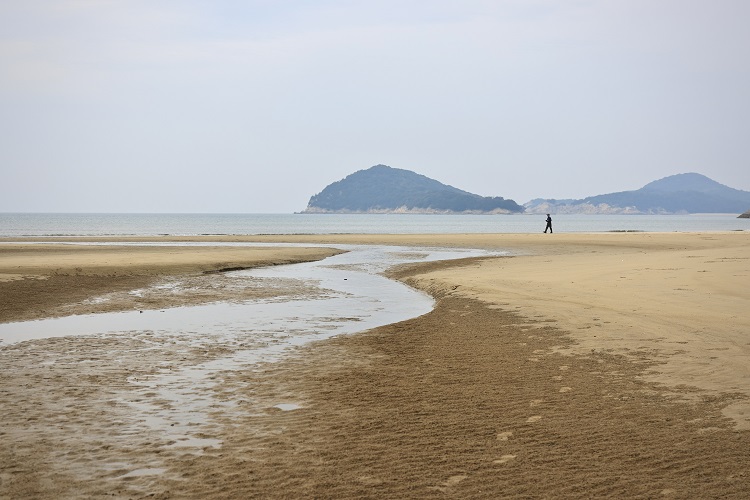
point(35, 224)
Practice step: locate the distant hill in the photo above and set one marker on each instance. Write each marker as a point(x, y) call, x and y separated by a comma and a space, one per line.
point(383, 189)
point(744, 215)
point(681, 193)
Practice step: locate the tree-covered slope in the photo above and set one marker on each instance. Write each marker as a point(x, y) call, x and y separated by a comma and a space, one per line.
point(386, 189)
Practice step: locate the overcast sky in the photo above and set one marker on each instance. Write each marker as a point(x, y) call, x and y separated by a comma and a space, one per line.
point(254, 106)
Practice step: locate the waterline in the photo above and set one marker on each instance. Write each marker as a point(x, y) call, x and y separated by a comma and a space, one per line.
point(23, 225)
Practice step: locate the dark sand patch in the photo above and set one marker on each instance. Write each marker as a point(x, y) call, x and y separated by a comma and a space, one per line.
point(406, 410)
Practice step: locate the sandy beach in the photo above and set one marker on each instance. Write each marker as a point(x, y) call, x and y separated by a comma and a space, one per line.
point(610, 365)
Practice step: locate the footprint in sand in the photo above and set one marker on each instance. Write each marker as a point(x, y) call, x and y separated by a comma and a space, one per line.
point(451, 481)
point(566, 389)
point(564, 367)
point(535, 418)
point(504, 459)
point(454, 480)
point(503, 436)
point(557, 377)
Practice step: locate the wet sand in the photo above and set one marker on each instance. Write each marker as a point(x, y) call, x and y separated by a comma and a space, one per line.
point(55, 279)
point(602, 365)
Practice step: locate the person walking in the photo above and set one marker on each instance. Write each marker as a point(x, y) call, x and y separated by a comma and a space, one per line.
point(549, 224)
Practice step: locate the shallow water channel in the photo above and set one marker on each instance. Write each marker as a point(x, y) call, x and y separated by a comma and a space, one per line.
point(355, 297)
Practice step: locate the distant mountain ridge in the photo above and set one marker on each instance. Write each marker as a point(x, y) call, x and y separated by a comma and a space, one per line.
point(383, 189)
point(681, 193)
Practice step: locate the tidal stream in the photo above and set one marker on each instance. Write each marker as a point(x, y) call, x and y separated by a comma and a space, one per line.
point(356, 297)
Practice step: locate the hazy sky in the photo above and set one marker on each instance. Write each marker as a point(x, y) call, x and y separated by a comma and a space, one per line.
point(254, 106)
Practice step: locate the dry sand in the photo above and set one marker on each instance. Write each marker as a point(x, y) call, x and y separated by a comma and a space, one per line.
point(586, 366)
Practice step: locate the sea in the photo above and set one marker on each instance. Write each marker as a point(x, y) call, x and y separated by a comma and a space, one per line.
point(142, 224)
